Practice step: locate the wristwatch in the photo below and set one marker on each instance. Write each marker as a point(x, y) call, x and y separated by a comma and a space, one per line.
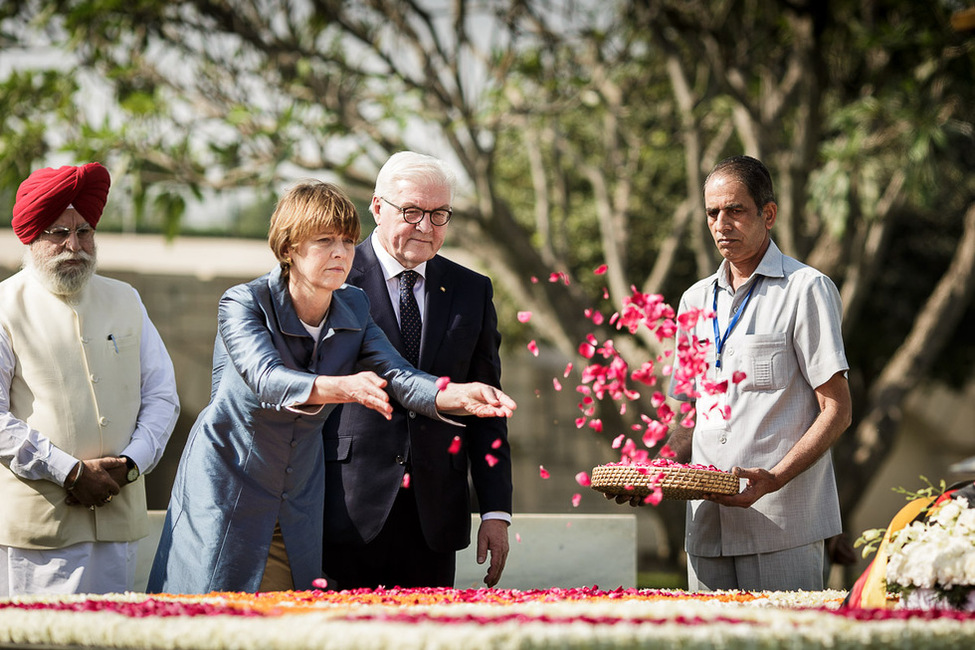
point(133, 474)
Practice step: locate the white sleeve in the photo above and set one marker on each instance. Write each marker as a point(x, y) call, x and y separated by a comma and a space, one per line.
point(160, 403)
point(25, 451)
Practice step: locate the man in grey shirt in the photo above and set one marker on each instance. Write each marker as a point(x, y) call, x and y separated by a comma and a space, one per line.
point(775, 347)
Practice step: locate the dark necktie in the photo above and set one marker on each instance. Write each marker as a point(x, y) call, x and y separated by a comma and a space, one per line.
point(410, 324)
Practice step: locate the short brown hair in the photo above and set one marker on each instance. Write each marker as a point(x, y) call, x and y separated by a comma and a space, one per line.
point(307, 209)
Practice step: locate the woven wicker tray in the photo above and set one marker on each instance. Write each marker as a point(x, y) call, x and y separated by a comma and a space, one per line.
point(680, 483)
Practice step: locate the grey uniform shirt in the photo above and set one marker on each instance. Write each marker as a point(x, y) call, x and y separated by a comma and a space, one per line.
point(787, 342)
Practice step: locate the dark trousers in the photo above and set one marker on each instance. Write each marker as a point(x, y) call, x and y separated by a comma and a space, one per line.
point(398, 557)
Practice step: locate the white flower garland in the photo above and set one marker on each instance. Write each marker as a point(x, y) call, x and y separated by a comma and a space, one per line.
point(783, 619)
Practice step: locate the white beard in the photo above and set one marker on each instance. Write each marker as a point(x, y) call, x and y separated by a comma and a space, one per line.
point(59, 280)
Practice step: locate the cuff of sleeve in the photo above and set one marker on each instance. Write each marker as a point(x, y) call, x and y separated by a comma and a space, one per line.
point(141, 454)
point(497, 514)
point(61, 464)
point(305, 409)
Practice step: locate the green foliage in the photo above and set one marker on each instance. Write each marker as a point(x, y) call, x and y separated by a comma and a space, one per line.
point(871, 539)
point(34, 106)
point(568, 118)
point(929, 491)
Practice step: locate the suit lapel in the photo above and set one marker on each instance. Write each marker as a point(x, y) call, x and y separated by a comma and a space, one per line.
point(367, 274)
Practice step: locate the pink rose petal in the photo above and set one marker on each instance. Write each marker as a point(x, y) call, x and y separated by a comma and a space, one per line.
point(406, 480)
point(491, 460)
point(576, 499)
point(600, 269)
point(543, 472)
point(442, 383)
point(583, 479)
point(533, 347)
point(454, 445)
point(524, 316)
point(496, 444)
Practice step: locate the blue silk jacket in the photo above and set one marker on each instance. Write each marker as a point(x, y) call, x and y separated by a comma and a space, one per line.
point(253, 458)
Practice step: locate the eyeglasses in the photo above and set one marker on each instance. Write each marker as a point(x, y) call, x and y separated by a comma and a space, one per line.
point(438, 217)
point(60, 234)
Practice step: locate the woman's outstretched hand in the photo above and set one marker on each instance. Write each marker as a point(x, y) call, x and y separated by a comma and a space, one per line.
point(475, 398)
point(364, 388)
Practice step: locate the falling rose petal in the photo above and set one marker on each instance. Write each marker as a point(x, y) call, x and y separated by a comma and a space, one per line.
point(667, 452)
point(605, 293)
point(319, 583)
point(583, 479)
point(688, 422)
point(524, 316)
point(491, 460)
point(556, 384)
point(587, 350)
point(533, 347)
point(737, 377)
point(454, 445)
point(686, 407)
point(496, 444)
point(543, 472)
point(595, 316)
point(618, 441)
point(600, 269)
point(406, 480)
point(568, 370)
point(596, 425)
point(654, 497)
point(665, 414)
point(656, 431)
point(534, 280)
point(580, 422)
point(518, 537)
point(629, 447)
point(576, 500)
point(442, 383)
point(657, 399)
point(715, 388)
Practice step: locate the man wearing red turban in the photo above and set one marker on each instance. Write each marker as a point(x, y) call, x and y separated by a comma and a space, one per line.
point(48, 192)
point(87, 399)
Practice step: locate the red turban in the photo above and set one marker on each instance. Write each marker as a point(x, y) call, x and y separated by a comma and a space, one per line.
point(47, 193)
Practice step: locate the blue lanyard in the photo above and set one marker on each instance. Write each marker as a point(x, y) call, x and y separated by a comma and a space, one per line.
point(719, 340)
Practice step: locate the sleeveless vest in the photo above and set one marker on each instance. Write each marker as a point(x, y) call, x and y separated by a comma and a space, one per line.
point(77, 380)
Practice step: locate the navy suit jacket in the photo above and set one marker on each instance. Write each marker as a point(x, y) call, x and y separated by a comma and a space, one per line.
point(366, 456)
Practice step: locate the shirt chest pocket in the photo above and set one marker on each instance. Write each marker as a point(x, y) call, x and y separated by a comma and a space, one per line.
point(767, 361)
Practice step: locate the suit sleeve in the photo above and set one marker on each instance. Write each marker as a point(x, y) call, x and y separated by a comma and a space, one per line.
point(489, 435)
point(245, 333)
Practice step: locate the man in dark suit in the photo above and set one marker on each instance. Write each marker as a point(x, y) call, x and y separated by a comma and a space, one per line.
point(397, 497)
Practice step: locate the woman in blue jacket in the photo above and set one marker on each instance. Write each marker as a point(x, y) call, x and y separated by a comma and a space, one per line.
point(246, 507)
